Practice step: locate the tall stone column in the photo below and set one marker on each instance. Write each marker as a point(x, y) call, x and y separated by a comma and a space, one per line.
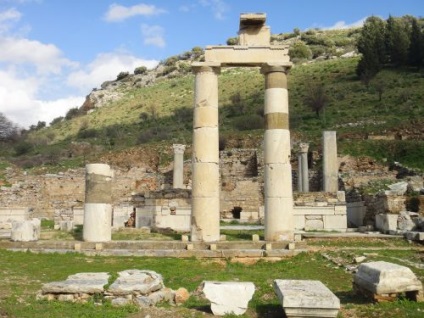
point(279, 223)
point(330, 163)
point(178, 176)
point(304, 147)
point(299, 172)
point(205, 172)
point(98, 203)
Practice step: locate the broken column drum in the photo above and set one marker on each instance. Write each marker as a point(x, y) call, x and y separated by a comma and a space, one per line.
point(278, 179)
point(178, 174)
point(98, 203)
point(205, 161)
point(330, 164)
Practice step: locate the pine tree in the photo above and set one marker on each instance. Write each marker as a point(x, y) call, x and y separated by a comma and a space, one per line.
point(416, 45)
point(397, 41)
point(371, 45)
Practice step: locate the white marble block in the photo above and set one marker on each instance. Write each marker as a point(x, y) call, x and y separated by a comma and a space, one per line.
point(306, 298)
point(26, 231)
point(228, 297)
point(382, 278)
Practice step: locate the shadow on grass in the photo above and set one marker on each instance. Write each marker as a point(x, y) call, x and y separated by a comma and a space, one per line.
point(270, 311)
point(349, 297)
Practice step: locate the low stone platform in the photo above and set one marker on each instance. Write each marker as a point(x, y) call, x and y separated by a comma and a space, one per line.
point(221, 249)
point(306, 298)
point(384, 281)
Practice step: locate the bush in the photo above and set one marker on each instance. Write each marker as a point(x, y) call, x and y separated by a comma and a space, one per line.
point(85, 133)
point(300, 51)
point(122, 75)
point(72, 113)
point(140, 70)
point(23, 148)
point(232, 41)
point(171, 61)
point(249, 122)
point(56, 120)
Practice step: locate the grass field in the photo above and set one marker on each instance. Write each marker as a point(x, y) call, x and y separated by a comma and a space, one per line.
point(23, 273)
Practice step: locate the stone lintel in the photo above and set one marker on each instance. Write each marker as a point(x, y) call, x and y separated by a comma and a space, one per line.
point(257, 19)
point(251, 56)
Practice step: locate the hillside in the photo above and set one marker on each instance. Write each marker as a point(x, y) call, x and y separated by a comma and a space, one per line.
point(148, 111)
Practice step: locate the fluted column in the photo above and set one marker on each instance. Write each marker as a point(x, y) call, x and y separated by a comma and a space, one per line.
point(278, 178)
point(205, 172)
point(304, 147)
point(299, 173)
point(330, 163)
point(98, 203)
point(178, 173)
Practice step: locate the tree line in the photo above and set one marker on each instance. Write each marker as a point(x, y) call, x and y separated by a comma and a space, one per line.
point(395, 42)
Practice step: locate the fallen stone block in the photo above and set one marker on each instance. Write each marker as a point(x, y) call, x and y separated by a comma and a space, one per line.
point(384, 281)
point(135, 281)
point(306, 298)
point(88, 283)
point(228, 297)
point(26, 231)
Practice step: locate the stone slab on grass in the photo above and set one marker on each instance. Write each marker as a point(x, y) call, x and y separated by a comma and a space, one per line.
point(228, 297)
point(135, 281)
point(84, 283)
point(306, 298)
point(383, 279)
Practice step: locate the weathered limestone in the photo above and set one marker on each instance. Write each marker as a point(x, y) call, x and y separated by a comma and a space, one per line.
point(88, 283)
point(131, 281)
point(385, 281)
point(26, 231)
point(178, 175)
point(306, 298)
point(278, 179)
point(205, 172)
point(303, 175)
point(98, 203)
point(330, 163)
point(228, 297)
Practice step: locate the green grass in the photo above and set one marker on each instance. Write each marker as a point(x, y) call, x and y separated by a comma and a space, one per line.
point(23, 274)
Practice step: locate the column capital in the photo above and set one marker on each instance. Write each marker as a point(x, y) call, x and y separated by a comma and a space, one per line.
point(276, 67)
point(303, 147)
point(199, 67)
point(178, 148)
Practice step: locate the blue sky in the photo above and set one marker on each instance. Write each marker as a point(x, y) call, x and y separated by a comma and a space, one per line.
point(54, 52)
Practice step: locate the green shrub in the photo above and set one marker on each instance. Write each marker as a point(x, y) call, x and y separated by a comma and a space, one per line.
point(122, 75)
point(232, 41)
point(249, 122)
point(23, 148)
point(140, 70)
point(72, 113)
point(300, 50)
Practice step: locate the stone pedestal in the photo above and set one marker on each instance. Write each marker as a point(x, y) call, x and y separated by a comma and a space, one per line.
point(306, 298)
point(98, 203)
point(330, 163)
point(26, 231)
point(205, 172)
point(278, 178)
point(178, 176)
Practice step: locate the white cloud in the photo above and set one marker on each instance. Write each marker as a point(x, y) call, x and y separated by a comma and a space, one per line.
point(8, 18)
point(342, 25)
point(46, 58)
point(106, 66)
point(118, 12)
point(153, 35)
point(19, 102)
point(218, 7)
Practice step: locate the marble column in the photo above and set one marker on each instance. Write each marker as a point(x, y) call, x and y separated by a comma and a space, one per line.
point(299, 172)
point(98, 203)
point(279, 223)
point(304, 147)
point(330, 163)
point(178, 176)
point(205, 172)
